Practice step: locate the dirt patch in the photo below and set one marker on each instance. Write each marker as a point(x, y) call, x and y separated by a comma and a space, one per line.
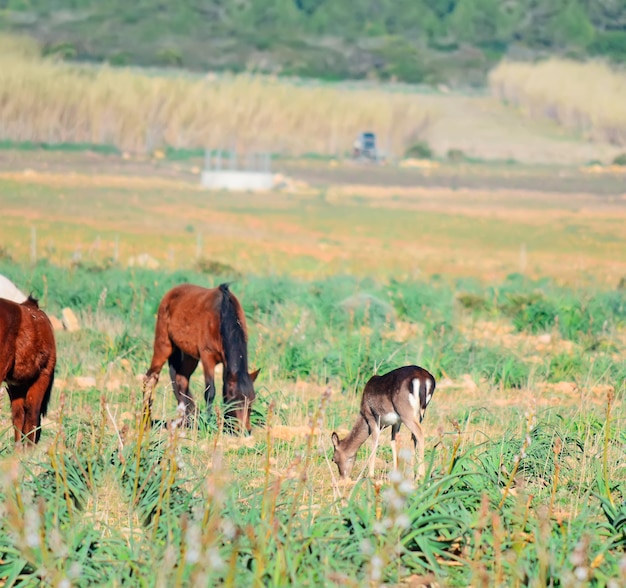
point(288, 433)
point(503, 334)
point(522, 205)
point(74, 180)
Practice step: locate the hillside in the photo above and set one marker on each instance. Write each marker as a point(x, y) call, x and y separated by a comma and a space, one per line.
point(452, 41)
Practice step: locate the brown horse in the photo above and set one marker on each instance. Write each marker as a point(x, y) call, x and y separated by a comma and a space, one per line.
point(27, 360)
point(196, 324)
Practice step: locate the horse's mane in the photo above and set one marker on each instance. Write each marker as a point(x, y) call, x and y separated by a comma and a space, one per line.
point(233, 340)
point(31, 301)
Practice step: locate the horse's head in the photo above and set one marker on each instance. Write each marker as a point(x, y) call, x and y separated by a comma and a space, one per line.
point(239, 395)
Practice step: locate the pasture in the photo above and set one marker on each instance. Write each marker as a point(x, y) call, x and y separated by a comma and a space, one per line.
point(514, 299)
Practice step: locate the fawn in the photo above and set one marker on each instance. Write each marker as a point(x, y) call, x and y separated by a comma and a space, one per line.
point(400, 396)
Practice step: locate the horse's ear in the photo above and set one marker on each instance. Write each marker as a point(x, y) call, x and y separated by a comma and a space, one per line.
point(254, 374)
point(335, 439)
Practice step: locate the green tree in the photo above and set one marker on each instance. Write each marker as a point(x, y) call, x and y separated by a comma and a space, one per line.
point(265, 16)
point(309, 6)
point(554, 24)
point(484, 22)
point(607, 15)
point(412, 18)
point(573, 26)
point(442, 8)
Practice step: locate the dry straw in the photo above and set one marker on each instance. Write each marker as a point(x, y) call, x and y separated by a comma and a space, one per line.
point(586, 97)
point(51, 101)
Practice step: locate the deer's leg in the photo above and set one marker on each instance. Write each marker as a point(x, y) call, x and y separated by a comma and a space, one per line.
point(417, 435)
point(181, 368)
point(375, 438)
point(394, 448)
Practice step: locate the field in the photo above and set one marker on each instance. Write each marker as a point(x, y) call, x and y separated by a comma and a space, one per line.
point(514, 298)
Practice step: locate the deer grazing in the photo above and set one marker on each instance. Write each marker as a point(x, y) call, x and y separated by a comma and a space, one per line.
point(400, 396)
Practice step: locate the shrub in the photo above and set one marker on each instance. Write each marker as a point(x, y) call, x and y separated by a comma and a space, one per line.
point(216, 268)
point(456, 155)
point(532, 313)
point(620, 159)
point(419, 150)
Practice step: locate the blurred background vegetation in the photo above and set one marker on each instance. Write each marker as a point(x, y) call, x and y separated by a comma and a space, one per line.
point(429, 41)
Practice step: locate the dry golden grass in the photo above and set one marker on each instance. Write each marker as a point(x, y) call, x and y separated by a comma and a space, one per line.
point(55, 102)
point(356, 229)
point(586, 97)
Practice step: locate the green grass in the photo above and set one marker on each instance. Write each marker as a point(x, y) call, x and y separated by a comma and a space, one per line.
point(525, 434)
point(518, 490)
point(63, 147)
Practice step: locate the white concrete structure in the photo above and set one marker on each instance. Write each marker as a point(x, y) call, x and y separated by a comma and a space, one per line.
point(240, 181)
point(237, 172)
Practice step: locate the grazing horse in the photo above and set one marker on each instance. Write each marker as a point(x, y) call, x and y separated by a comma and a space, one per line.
point(27, 361)
point(196, 324)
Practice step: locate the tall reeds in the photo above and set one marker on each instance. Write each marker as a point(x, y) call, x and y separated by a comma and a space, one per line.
point(585, 97)
point(42, 100)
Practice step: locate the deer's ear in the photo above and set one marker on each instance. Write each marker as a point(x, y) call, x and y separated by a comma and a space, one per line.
point(254, 374)
point(335, 439)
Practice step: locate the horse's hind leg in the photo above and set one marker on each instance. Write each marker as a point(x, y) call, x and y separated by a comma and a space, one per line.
point(181, 368)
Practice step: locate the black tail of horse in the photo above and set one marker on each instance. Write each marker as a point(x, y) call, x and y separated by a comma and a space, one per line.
point(233, 336)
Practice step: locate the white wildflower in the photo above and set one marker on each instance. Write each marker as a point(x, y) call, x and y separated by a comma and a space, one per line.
point(403, 521)
point(395, 477)
point(405, 487)
point(31, 528)
point(582, 573)
point(405, 454)
point(228, 529)
point(377, 568)
point(215, 559)
point(75, 570)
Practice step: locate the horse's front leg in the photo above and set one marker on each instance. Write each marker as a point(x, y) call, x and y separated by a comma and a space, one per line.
point(18, 414)
point(149, 383)
point(32, 408)
point(162, 350)
point(209, 361)
point(182, 367)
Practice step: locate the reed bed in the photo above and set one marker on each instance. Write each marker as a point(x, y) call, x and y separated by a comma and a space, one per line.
point(586, 97)
point(43, 100)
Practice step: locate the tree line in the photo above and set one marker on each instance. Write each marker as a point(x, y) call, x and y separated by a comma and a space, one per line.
point(411, 40)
